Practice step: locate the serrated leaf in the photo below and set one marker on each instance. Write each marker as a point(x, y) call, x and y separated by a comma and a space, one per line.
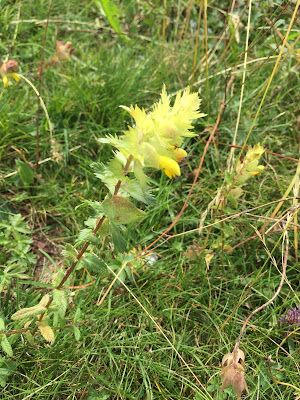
point(25, 172)
point(28, 312)
point(86, 235)
point(96, 208)
point(114, 169)
point(46, 331)
point(77, 333)
point(118, 240)
point(6, 346)
point(69, 253)
point(57, 277)
point(55, 320)
point(60, 298)
point(136, 191)
point(45, 299)
point(121, 211)
point(94, 264)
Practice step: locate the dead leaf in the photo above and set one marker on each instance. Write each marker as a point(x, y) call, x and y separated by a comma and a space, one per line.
point(63, 52)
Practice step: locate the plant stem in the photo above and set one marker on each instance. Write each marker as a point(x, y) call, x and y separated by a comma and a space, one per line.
point(86, 244)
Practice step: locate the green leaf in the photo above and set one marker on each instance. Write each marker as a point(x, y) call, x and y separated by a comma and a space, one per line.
point(86, 235)
point(121, 211)
point(2, 324)
point(28, 312)
point(98, 395)
point(139, 174)
point(6, 346)
point(228, 178)
point(77, 333)
point(94, 264)
point(234, 195)
point(118, 240)
point(136, 191)
point(70, 252)
point(29, 338)
point(44, 300)
point(60, 298)
point(18, 223)
point(77, 315)
point(111, 11)
point(104, 229)
point(111, 173)
point(96, 207)
point(25, 172)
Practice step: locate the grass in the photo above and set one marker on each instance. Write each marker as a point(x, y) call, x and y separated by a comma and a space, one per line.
point(122, 353)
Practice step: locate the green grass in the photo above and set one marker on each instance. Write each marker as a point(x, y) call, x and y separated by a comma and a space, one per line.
point(121, 353)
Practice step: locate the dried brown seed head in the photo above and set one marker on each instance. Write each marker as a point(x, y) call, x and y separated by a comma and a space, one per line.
point(63, 51)
point(9, 67)
point(233, 369)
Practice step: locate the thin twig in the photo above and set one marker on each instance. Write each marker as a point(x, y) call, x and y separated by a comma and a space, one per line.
point(225, 218)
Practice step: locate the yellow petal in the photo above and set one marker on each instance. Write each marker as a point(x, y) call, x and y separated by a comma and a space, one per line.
point(15, 76)
point(5, 81)
point(179, 153)
point(254, 173)
point(170, 166)
point(169, 174)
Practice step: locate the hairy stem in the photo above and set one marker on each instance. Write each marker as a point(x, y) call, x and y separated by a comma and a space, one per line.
point(86, 244)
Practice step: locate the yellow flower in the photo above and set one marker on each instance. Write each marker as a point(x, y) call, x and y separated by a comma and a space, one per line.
point(179, 153)
point(5, 81)
point(170, 166)
point(9, 70)
point(249, 166)
point(13, 75)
